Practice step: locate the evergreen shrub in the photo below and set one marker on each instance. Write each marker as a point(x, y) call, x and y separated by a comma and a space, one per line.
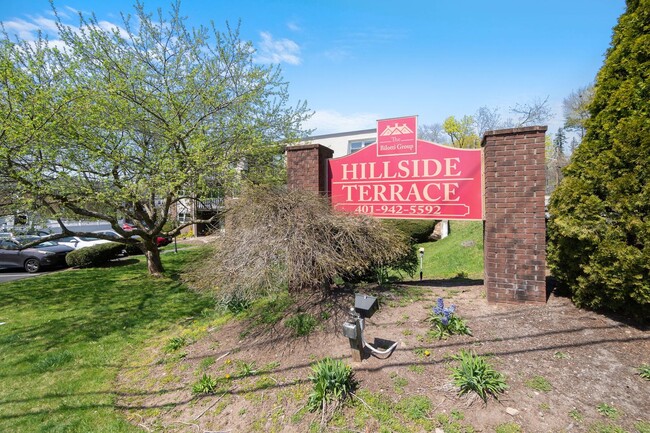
point(418, 230)
point(599, 229)
point(95, 255)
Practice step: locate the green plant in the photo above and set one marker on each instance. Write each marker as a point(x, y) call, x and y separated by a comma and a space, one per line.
point(399, 383)
point(539, 383)
point(607, 410)
point(95, 255)
point(175, 343)
point(576, 415)
point(206, 363)
point(642, 426)
point(301, 324)
point(418, 230)
point(270, 366)
point(445, 322)
point(457, 415)
point(332, 382)
point(461, 275)
point(509, 427)
point(644, 371)
point(245, 369)
point(419, 369)
point(600, 427)
point(236, 304)
point(475, 374)
point(52, 361)
point(415, 407)
point(205, 385)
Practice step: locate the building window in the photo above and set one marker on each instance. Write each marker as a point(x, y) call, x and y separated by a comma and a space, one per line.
point(355, 145)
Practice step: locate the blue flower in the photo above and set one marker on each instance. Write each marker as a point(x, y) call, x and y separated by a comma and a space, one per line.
point(444, 320)
point(439, 308)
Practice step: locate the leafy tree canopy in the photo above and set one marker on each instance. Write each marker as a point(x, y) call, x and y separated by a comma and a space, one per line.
point(127, 122)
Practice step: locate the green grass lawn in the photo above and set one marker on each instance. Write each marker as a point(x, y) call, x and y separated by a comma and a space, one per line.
point(67, 334)
point(459, 254)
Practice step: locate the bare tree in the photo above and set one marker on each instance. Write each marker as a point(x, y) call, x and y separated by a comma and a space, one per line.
point(277, 238)
point(535, 112)
point(487, 119)
point(433, 132)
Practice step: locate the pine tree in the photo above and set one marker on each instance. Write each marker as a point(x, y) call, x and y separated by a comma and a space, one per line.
point(599, 232)
point(560, 142)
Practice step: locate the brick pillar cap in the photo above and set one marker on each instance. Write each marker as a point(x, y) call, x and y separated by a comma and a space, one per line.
point(513, 131)
point(304, 146)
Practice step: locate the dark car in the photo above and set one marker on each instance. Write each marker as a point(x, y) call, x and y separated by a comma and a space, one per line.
point(32, 259)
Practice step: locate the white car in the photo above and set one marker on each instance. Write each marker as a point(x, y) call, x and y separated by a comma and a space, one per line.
point(77, 242)
point(110, 233)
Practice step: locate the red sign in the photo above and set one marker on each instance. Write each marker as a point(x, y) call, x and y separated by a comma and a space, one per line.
point(436, 182)
point(397, 136)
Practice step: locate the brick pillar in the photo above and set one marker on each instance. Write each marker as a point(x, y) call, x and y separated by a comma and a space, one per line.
point(307, 167)
point(514, 228)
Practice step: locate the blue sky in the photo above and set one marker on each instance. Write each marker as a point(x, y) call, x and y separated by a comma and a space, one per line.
point(358, 61)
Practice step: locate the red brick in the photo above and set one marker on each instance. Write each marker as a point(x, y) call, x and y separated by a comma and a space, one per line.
point(514, 212)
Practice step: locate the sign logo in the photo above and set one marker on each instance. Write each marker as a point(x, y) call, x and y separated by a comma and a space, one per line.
point(408, 179)
point(397, 136)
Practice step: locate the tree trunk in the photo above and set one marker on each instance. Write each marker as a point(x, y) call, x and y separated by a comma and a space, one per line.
point(154, 264)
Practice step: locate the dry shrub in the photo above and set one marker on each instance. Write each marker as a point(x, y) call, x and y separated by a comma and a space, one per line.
point(277, 238)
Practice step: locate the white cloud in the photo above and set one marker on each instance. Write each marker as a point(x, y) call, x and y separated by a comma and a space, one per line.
point(331, 121)
point(338, 55)
point(277, 51)
point(294, 27)
point(24, 30)
point(46, 25)
point(28, 29)
point(109, 27)
point(71, 9)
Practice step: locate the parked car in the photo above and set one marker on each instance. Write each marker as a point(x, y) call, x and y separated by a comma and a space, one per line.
point(77, 242)
point(14, 255)
point(161, 241)
point(109, 233)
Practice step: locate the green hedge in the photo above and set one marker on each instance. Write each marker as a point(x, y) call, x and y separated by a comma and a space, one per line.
point(94, 256)
point(418, 230)
point(132, 250)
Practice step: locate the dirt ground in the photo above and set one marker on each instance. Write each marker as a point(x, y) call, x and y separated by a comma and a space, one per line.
point(588, 359)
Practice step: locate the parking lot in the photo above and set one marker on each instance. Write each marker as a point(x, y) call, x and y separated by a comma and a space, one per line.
point(18, 274)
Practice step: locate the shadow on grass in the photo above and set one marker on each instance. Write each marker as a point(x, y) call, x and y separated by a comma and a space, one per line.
point(82, 322)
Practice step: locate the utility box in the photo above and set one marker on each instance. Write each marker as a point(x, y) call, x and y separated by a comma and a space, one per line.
point(365, 305)
point(350, 330)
